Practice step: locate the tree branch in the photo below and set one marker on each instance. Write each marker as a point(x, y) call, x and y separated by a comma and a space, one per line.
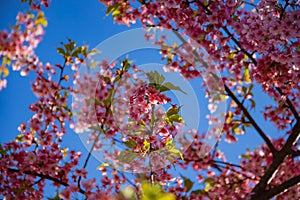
point(295, 153)
point(290, 104)
point(252, 121)
point(44, 176)
point(239, 45)
point(88, 157)
point(284, 187)
point(278, 159)
point(232, 95)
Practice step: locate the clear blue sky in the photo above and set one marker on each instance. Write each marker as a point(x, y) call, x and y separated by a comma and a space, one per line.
point(85, 23)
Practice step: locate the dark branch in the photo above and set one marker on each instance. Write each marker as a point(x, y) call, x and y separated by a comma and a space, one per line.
point(252, 121)
point(231, 94)
point(284, 187)
point(295, 153)
point(44, 176)
point(278, 159)
point(88, 158)
point(239, 45)
point(290, 104)
point(205, 7)
point(229, 164)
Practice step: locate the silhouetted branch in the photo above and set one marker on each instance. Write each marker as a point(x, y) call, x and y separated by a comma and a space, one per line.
point(44, 176)
point(284, 187)
point(278, 159)
point(251, 120)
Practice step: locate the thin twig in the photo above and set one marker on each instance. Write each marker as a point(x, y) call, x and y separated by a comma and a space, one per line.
point(290, 104)
point(44, 176)
point(239, 45)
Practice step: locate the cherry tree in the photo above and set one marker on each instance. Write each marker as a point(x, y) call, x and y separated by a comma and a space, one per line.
point(250, 44)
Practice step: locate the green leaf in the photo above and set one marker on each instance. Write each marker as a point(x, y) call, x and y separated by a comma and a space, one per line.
point(76, 52)
point(128, 193)
point(247, 75)
point(103, 165)
point(173, 110)
point(40, 19)
point(201, 37)
point(146, 145)
point(169, 86)
point(126, 156)
point(114, 9)
point(93, 51)
point(231, 55)
point(176, 118)
point(176, 152)
point(198, 192)
point(169, 143)
point(187, 183)
point(155, 78)
point(96, 128)
point(166, 196)
point(70, 46)
point(19, 138)
point(208, 180)
point(208, 187)
point(6, 61)
point(150, 192)
point(116, 13)
point(61, 51)
point(245, 156)
point(5, 72)
point(130, 143)
point(2, 150)
point(209, 183)
point(172, 115)
point(154, 192)
point(126, 64)
point(236, 129)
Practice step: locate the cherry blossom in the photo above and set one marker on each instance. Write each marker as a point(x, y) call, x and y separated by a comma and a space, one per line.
point(253, 45)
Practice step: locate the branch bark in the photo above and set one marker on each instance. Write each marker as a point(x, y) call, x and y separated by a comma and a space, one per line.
point(290, 104)
point(44, 176)
point(259, 189)
point(284, 187)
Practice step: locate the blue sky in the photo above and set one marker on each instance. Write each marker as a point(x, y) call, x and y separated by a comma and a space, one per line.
point(85, 23)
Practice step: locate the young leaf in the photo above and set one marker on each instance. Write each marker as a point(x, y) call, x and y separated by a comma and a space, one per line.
point(176, 152)
point(169, 86)
point(247, 75)
point(209, 183)
point(146, 145)
point(130, 143)
point(126, 156)
point(112, 8)
point(154, 192)
point(187, 183)
point(40, 19)
point(155, 77)
point(173, 110)
point(61, 51)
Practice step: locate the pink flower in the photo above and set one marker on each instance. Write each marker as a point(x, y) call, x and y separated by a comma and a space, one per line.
point(89, 185)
